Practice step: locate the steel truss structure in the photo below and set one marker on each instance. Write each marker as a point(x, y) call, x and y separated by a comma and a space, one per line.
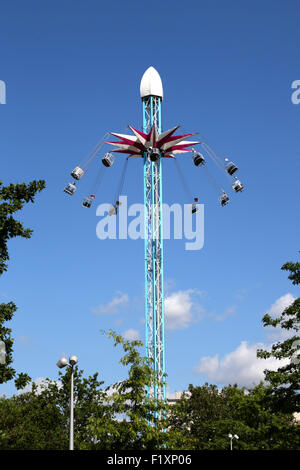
point(153, 145)
point(154, 290)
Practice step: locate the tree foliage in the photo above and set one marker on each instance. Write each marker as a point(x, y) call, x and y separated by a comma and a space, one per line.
point(136, 421)
point(118, 417)
point(285, 381)
point(123, 417)
point(13, 198)
point(39, 418)
point(207, 415)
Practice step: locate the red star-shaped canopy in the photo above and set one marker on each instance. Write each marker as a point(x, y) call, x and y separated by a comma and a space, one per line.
point(168, 144)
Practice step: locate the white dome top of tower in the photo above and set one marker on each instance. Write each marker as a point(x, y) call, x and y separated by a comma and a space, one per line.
point(151, 84)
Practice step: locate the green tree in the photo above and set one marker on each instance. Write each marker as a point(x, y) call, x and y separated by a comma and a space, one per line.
point(196, 413)
point(136, 420)
point(120, 417)
point(39, 418)
point(256, 422)
point(208, 415)
point(29, 422)
point(285, 381)
point(90, 401)
point(13, 198)
point(123, 417)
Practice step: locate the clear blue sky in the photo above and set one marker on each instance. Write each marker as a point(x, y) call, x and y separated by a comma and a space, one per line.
point(72, 71)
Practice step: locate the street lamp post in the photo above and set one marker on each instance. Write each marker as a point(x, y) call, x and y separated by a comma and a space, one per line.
point(231, 437)
point(61, 364)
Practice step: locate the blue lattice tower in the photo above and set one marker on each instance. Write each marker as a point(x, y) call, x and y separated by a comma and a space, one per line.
point(154, 291)
point(153, 146)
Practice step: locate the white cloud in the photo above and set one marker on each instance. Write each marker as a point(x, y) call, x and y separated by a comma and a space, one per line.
point(208, 365)
point(280, 305)
point(181, 309)
point(169, 285)
point(170, 395)
point(227, 313)
point(113, 306)
point(276, 309)
point(131, 334)
point(240, 366)
point(41, 384)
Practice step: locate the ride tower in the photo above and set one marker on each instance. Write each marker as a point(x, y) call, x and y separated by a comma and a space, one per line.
point(152, 145)
point(152, 95)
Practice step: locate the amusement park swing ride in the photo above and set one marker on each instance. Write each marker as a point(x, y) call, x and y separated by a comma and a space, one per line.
point(152, 145)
